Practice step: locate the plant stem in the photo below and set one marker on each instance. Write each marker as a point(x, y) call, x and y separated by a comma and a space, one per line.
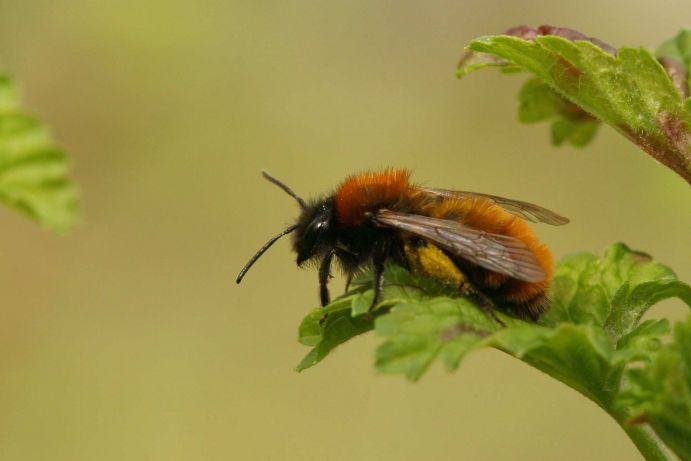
point(644, 439)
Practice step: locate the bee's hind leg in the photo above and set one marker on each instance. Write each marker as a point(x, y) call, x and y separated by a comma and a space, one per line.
point(485, 303)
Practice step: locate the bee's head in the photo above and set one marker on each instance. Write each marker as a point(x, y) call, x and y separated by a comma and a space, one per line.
point(312, 234)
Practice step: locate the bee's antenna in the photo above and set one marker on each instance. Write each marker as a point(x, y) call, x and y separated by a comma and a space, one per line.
point(263, 249)
point(287, 189)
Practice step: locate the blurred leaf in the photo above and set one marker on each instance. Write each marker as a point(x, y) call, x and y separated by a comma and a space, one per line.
point(539, 103)
point(660, 393)
point(677, 47)
point(629, 90)
point(33, 171)
point(630, 303)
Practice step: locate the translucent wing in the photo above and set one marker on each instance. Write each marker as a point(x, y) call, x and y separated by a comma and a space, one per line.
point(525, 210)
point(498, 253)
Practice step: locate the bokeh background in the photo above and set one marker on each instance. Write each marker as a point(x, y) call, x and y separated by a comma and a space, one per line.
point(129, 340)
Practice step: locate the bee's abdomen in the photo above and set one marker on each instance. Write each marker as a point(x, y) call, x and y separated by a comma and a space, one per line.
point(525, 299)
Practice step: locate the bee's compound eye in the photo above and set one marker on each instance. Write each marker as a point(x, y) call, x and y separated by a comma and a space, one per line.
point(311, 239)
point(314, 229)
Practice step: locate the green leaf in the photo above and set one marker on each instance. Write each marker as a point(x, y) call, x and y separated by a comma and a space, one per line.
point(677, 47)
point(643, 340)
point(348, 316)
point(33, 171)
point(338, 327)
point(418, 316)
point(417, 333)
point(591, 339)
point(581, 356)
point(631, 302)
point(613, 291)
point(660, 393)
point(630, 91)
point(539, 103)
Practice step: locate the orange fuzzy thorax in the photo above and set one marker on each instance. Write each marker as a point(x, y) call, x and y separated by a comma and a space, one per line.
point(367, 192)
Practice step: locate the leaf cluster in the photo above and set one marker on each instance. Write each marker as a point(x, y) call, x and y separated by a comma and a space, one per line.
point(592, 338)
point(580, 82)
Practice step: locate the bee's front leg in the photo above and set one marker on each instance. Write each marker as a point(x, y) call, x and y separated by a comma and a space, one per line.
point(379, 262)
point(324, 276)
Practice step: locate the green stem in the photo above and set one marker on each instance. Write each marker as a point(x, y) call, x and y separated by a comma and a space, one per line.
point(644, 439)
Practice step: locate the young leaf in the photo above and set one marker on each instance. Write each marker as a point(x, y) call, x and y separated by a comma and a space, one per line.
point(33, 171)
point(539, 103)
point(629, 90)
point(613, 291)
point(660, 393)
point(679, 48)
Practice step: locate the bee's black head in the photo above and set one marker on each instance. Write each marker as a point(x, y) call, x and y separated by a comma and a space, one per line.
point(313, 232)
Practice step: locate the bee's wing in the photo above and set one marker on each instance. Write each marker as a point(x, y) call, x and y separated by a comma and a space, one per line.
point(498, 253)
point(519, 208)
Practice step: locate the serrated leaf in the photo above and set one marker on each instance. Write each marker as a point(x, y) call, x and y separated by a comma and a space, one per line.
point(348, 316)
point(34, 173)
point(629, 91)
point(418, 333)
point(613, 291)
point(338, 327)
point(310, 332)
point(660, 393)
point(592, 339)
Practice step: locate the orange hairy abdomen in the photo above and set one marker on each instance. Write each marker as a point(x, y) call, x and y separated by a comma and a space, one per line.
point(483, 214)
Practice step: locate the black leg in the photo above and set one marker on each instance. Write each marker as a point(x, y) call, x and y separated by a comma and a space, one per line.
point(324, 275)
point(487, 305)
point(349, 280)
point(379, 263)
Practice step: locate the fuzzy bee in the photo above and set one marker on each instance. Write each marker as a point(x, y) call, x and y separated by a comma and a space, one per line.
point(478, 243)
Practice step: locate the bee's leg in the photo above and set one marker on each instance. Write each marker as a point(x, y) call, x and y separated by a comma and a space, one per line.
point(349, 280)
point(379, 262)
point(486, 304)
point(324, 276)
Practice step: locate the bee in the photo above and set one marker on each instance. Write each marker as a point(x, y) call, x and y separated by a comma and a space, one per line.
point(480, 244)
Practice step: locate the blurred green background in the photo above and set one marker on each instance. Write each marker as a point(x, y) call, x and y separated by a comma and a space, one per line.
point(129, 340)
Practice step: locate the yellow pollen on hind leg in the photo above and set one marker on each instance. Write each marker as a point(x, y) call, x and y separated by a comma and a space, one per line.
point(430, 261)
